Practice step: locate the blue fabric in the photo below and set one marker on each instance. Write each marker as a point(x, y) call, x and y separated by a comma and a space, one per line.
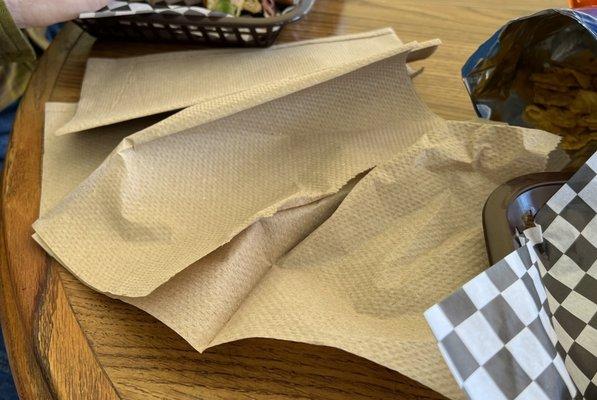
point(7, 386)
point(7, 116)
point(52, 31)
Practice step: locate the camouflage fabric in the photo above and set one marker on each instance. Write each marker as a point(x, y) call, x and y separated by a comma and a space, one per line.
point(17, 56)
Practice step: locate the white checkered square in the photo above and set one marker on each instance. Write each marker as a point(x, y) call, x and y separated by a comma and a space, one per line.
point(561, 233)
point(588, 337)
point(441, 324)
point(589, 194)
point(522, 304)
point(561, 199)
point(481, 290)
point(529, 353)
point(584, 308)
point(581, 380)
point(479, 338)
point(566, 271)
point(534, 273)
point(481, 386)
point(514, 261)
point(592, 163)
point(590, 231)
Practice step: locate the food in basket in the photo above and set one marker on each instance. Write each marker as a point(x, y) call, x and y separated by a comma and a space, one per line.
point(563, 100)
point(193, 8)
point(190, 21)
point(266, 8)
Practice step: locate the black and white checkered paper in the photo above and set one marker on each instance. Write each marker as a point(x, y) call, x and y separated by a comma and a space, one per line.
point(496, 336)
point(525, 328)
point(126, 8)
point(569, 273)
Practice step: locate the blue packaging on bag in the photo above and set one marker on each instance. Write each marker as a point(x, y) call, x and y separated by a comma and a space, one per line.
point(525, 74)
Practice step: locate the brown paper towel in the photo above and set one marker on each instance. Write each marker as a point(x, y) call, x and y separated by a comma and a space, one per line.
point(217, 283)
point(408, 233)
point(148, 211)
point(361, 281)
point(115, 90)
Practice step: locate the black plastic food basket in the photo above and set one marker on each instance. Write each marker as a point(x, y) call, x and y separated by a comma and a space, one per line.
point(211, 31)
point(505, 210)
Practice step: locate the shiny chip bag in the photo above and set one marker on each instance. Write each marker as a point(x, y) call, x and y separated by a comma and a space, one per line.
point(540, 71)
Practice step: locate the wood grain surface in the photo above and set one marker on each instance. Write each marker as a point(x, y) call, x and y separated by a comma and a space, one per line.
point(68, 342)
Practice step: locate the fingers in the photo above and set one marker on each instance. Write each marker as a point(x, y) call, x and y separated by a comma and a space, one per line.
point(30, 13)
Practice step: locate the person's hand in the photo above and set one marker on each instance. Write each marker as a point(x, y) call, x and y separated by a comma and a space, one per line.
point(29, 13)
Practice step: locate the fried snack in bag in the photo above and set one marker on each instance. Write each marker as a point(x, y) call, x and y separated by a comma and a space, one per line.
point(550, 97)
point(585, 102)
point(540, 71)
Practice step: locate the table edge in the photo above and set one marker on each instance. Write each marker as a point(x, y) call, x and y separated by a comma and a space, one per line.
point(48, 352)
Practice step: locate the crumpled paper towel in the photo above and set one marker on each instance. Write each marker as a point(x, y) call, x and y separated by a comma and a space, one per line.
point(404, 189)
point(148, 211)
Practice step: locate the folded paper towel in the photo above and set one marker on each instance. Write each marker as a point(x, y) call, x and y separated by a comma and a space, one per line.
point(147, 213)
point(189, 218)
point(116, 90)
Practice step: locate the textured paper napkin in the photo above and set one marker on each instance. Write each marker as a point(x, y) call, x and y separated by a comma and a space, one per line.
point(116, 90)
point(148, 211)
point(407, 234)
point(198, 301)
point(388, 326)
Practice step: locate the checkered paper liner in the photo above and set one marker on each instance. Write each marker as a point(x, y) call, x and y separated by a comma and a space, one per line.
point(126, 8)
point(569, 273)
point(496, 336)
point(525, 328)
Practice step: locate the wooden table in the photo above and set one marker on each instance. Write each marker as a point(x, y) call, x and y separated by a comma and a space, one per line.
point(68, 342)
